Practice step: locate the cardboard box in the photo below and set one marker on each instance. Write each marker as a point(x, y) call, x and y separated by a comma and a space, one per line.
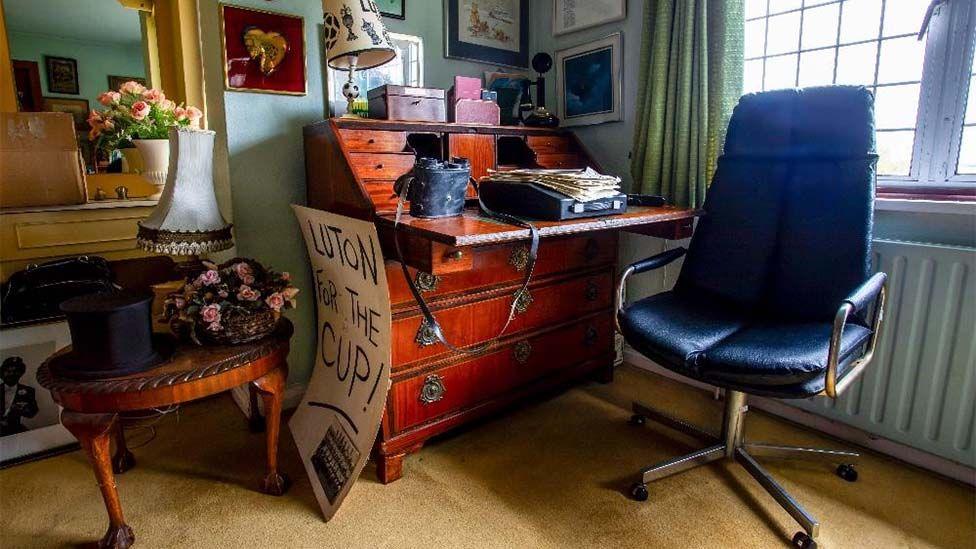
point(40, 164)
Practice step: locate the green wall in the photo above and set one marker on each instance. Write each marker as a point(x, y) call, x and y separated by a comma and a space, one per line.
point(95, 61)
point(259, 146)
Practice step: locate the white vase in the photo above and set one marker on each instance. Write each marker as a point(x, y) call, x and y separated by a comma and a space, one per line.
point(155, 162)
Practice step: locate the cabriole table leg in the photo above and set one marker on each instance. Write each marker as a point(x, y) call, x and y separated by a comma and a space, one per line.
point(94, 432)
point(271, 387)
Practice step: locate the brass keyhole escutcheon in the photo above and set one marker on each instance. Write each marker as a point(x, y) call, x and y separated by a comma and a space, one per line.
point(426, 282)
point(589, 338)
point(519, 258)
point(425, 334)
point(522, 301)
point(521, 351)
point(433, 389)
point(592, 290)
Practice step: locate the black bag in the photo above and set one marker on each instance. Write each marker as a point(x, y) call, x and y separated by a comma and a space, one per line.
point(37, 291)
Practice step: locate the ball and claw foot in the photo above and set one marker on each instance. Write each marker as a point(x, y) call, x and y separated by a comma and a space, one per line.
point(803, 541)
point(638, 491)
point(117, 537)
point(122, 462)
point(637, 420)
point(847, 472)
point(275, 484)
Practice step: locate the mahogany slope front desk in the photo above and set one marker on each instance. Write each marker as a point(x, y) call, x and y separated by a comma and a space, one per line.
point(468, 268)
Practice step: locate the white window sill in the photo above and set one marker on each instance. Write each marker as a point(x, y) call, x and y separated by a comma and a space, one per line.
point(925, 206)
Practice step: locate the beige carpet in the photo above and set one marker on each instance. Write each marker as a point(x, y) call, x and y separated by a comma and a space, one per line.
point(547, 475)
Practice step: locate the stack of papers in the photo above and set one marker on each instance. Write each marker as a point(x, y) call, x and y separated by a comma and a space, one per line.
point(582, 185)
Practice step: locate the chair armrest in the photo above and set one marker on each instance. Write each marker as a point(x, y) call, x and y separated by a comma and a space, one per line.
point(642, 266)
point(857, 303)
point(866, 294)
point(654, 262)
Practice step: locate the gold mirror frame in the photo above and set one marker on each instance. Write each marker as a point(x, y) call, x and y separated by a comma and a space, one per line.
point(171, 47)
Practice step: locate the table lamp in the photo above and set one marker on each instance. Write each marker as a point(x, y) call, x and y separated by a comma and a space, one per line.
point(187, 220)
point(355, 38)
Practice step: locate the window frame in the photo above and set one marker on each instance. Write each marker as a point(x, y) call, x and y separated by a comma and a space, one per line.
point(941, 108)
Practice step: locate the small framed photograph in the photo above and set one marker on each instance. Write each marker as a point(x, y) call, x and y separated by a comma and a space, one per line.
point(62, 75)
point(495, 32)
point(115, 81)
point(589, 82)
point(30, 426)
point(395, 9)
point(573, 15)
point(263, 51)
point(77, 108)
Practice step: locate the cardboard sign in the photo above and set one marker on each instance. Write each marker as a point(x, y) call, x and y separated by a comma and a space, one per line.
point(336, 424)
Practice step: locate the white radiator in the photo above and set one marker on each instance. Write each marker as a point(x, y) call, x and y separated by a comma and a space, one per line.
point(920, 390)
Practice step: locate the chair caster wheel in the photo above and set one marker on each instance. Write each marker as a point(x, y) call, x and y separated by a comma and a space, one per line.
point(638, 419)
point(847, 472)
point(803, 541)
point(638, 491)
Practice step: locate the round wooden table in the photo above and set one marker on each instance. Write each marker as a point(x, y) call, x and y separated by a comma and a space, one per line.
point(91, 408)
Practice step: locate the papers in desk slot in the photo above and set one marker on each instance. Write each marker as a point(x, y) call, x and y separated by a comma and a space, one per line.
point(582, 185)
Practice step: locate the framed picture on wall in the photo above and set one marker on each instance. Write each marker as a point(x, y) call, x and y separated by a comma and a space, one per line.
point(589, 82)
point(487, 31)
point(263, 51)
point(77, 108)
point(115, 81)
point(62, 75)
point(396, 9)
point(573, 15)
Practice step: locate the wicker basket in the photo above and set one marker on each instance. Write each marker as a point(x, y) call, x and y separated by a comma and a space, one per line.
point(241, 328)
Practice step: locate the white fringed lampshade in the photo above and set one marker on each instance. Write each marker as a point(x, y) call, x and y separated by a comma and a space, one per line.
point(187, 220)
point(354, 36)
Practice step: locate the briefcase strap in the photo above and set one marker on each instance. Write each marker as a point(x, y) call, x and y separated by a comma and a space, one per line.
point(425, 309)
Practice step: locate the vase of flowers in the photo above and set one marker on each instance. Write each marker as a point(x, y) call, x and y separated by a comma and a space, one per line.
point(235, 302)
point(143, 116)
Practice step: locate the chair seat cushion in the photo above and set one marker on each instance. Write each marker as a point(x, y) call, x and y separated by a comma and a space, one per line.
point(674, 329)
point(776, 354)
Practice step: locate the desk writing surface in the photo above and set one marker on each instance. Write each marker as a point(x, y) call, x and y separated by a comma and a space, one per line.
point(472, 228)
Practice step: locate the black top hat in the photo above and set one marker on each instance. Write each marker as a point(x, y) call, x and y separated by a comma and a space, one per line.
point(111, 335)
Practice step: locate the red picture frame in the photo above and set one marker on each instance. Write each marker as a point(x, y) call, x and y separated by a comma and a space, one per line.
point(242, 72)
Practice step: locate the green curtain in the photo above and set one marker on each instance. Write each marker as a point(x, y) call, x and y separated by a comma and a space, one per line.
point(690, 79)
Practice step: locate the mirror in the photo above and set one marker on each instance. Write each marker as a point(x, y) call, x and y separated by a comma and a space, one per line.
point(66, 52)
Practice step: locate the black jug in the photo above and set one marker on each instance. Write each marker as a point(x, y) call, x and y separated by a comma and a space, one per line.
point(435, 188)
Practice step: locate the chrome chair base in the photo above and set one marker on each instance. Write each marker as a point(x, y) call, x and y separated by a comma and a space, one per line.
point(731, 444)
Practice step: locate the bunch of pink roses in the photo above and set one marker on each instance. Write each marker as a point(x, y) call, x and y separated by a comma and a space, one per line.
point(238, 287)
point(137, 112)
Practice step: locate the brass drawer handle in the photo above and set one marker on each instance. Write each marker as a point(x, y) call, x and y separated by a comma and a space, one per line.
point(589, 338)
point(592, 290)
point(425, 334)
point(521, 351)
point(379, 166)
point(370, 141)
point(522, 301)
point(433, 389)
point(426, 282)
point(519, 258)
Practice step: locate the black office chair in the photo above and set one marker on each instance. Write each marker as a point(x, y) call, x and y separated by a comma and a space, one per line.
point(775, 296)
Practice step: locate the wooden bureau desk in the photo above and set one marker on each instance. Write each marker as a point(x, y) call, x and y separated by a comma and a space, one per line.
point(468, 268)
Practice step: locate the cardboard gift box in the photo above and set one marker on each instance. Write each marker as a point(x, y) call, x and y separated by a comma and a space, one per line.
point(40, 164)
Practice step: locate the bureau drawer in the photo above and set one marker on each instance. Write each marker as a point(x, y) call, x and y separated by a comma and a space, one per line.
point(427, 396)
point(374, 141)
point(381, 165)
point(563, 161)
point(550, 143)
point(505, 264)
point(549, 303)
point(381, 193)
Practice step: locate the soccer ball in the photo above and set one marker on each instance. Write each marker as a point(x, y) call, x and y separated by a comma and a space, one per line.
point(331, 28)
point(350, 90)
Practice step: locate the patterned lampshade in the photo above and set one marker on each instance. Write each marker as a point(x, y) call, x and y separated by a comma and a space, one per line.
point(187, 220)
point(354, 36)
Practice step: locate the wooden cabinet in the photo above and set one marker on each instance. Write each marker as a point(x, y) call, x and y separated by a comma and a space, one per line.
point(468, 268)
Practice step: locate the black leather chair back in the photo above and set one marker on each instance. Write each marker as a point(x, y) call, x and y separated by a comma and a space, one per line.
point(787, 230)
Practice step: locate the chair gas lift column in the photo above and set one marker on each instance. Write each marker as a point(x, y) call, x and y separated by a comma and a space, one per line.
point(775, 296)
